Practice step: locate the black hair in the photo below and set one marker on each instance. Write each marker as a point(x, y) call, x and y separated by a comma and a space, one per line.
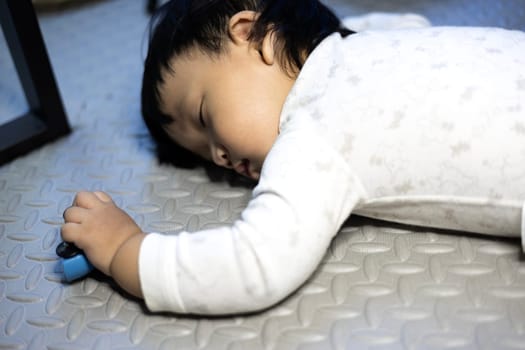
point(299, 26)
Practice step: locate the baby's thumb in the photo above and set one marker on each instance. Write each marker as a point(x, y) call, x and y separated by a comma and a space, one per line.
point(103, 196)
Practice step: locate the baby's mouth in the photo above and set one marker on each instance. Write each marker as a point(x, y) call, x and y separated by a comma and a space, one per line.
point(243, 168)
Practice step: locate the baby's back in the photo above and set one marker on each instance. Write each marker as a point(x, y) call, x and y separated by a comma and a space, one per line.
point(432, 120)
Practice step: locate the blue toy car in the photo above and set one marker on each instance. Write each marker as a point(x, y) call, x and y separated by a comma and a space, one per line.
point(74, 263)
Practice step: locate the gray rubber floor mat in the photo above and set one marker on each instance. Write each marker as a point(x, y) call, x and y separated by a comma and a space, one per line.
point(379, 286)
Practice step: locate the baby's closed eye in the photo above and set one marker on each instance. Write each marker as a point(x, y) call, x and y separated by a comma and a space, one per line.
point(201, 115)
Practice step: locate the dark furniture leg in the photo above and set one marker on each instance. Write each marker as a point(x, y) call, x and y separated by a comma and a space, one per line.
point(46, 120)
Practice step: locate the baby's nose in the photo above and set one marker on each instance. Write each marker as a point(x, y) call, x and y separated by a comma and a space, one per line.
point(221, 157)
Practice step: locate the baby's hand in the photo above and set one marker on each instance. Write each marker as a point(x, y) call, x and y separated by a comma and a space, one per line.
point(97, 226)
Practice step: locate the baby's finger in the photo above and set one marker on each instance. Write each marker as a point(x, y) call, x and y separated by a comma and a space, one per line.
point(103, 196)
point(86, 200)
point(74, 214)
point(70, 232)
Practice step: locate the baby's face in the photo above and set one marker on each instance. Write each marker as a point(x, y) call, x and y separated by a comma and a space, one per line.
point(225, 109)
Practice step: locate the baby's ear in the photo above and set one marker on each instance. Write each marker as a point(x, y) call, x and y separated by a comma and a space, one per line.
point(240, 26)
point(240, 29)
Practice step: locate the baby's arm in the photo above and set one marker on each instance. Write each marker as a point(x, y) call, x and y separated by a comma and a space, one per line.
point(305, 192)
point(108, 236)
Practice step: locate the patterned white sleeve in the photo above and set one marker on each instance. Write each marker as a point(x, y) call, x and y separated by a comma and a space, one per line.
point(267, 254)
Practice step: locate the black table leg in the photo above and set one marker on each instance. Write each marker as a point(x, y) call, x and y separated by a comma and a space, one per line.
point(46, 119)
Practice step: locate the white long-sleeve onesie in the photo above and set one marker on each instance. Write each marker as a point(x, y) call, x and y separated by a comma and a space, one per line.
point(421, 126)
